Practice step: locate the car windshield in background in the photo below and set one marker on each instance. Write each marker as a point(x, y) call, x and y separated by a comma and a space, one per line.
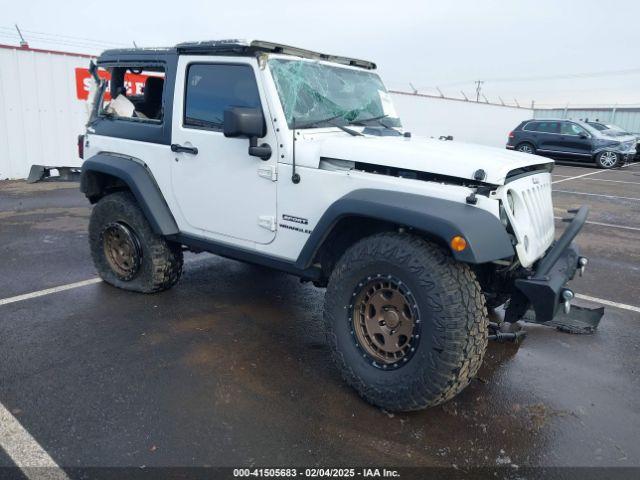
point(598, 126)
point(312, 92)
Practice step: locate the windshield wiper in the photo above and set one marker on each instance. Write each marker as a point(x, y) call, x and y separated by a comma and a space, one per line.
point(316, 123)
point(378, 120)
point(330, 121)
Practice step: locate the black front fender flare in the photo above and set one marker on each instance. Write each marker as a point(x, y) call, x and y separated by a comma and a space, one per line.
point(486, 237)
point(140, 181)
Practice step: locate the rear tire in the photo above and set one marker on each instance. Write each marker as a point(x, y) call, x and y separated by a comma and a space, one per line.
point(442, 299)
point(125, 250)
point(608, 159)
point(526, 147)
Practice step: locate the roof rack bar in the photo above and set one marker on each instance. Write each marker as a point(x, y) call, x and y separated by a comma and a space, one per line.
point(233, 47)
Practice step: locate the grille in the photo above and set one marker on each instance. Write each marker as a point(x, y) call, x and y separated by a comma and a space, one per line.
point(532, 218)
point(539, 205)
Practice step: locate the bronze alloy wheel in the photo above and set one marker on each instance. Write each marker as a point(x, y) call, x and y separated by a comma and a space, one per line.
point(385, 321)
point(122, 250)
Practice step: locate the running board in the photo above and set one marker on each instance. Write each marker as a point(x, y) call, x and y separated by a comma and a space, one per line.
point(578, 320)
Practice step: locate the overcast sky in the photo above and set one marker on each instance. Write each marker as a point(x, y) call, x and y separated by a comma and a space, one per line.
point(427, 43)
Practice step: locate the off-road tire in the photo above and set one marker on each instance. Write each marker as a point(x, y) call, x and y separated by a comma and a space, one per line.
point(600, 161)
point(453, 336)
point(160, 262)
point(526, 147)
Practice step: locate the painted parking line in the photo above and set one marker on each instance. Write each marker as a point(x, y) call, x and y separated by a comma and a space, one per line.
point(49, 291)
point(612, 181)
point(610, 225)
point(71, 286)
point(597, 195)
point(608, 303)
point(25, 451)
point(594, 173)
point(591, 179)
point(578, 176)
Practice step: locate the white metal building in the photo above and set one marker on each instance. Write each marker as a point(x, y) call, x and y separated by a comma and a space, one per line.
point(42, 111)
point(40, 114)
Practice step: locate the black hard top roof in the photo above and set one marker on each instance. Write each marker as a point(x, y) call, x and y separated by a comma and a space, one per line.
point(224, 47)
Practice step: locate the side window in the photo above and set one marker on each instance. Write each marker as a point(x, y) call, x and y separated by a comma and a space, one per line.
point(548, 127)
point(531, 127)
point(212, 88)
point(134, 93)
point(568, 128)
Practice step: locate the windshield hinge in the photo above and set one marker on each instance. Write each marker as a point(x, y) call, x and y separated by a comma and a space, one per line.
point(268, 171)
point(268, 222)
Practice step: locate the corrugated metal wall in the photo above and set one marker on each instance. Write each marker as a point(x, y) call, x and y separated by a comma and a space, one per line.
point(626, 118)
point(40, 116)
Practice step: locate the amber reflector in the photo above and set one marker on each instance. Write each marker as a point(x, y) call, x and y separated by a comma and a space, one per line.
point(458, 243)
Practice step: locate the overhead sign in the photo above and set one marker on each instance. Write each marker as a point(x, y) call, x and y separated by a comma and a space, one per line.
point(134, 83)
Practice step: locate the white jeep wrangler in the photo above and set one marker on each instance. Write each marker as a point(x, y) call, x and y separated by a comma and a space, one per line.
point(296, 160)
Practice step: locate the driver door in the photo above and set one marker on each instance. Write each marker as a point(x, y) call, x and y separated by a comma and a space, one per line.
point(220, 190)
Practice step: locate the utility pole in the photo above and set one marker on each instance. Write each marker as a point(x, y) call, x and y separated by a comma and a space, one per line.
point(485, 98)
point(478, 89)
point(517, 104)
point(23, 42)
point(501, 101)
point(440, 92)
point(415, 90)
point(465, 97)
point(134, 44)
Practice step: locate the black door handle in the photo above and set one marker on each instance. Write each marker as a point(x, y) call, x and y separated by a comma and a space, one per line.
point(179, 148)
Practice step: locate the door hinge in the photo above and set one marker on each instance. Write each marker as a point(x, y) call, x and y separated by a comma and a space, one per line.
point(268, 222)
point(268, 171)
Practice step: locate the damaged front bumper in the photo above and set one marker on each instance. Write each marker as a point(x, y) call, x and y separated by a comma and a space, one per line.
point(545, 291)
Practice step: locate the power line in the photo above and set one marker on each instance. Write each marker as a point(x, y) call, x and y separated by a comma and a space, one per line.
point(565, 76)
point(66, 37)
point(16, 38)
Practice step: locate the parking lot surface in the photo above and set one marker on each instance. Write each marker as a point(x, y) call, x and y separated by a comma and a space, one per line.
point(231, 368)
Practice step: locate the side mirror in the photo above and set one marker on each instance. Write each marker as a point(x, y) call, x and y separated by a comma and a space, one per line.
point(248, 123)
point(584, 135)
point(244, 122)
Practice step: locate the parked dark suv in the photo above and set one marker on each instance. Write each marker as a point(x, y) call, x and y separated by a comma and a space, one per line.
point(572, 140)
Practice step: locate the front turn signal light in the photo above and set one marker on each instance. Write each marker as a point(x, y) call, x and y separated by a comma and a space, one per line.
point(458, 243)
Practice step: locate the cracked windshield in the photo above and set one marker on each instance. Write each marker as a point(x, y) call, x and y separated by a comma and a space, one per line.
point(316, 94)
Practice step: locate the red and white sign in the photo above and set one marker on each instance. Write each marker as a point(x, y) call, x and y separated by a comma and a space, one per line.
point(134, 83)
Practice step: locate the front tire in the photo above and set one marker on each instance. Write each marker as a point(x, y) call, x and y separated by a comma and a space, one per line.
point(608, 159)
point(125, 250)
point(407, 324)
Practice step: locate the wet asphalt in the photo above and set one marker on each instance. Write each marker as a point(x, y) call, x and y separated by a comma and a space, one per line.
point(231, 368)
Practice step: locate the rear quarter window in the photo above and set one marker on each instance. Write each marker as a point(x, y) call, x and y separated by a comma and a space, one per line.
point(548, 127)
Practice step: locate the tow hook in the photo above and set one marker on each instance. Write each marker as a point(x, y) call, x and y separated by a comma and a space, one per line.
point(567, 296)
point(582, 262)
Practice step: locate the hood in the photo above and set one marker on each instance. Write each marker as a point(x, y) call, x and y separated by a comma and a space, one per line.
point(454, 159)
